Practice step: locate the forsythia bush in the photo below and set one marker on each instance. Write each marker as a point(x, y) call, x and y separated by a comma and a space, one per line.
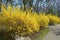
point(53, 19)
point(43, 20)
point(19, 22)
point(59, 20)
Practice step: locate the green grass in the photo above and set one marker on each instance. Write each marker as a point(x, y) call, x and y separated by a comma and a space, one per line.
point(44, 33)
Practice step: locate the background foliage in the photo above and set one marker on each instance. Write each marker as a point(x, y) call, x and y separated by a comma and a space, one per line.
point(48, 6)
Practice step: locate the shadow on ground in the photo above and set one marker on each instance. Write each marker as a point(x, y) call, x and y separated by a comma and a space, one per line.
point(57, 32)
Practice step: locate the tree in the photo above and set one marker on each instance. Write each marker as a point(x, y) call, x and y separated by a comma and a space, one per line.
point(37, 4)
point(31, 3)
point(47, 1)
point(47, 9)
point(10, 1)
point(0, 4)
point(25, 2)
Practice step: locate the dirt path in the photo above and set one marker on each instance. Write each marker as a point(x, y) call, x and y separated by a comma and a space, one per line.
point(54, 33)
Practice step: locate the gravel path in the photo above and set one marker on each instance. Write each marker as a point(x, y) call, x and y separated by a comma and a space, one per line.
point(54, 33)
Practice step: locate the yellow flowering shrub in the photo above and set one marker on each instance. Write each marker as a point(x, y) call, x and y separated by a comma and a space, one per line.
point(16, 21)
point(53, 19)
point(59, 19)
point(43, 20)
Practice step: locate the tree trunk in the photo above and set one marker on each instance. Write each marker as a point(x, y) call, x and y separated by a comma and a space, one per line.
point(0, 5)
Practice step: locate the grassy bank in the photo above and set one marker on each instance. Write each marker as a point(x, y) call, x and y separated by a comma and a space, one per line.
point(44, 33)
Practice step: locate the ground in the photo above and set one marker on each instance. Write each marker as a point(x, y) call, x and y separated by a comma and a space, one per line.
point(53, 34)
